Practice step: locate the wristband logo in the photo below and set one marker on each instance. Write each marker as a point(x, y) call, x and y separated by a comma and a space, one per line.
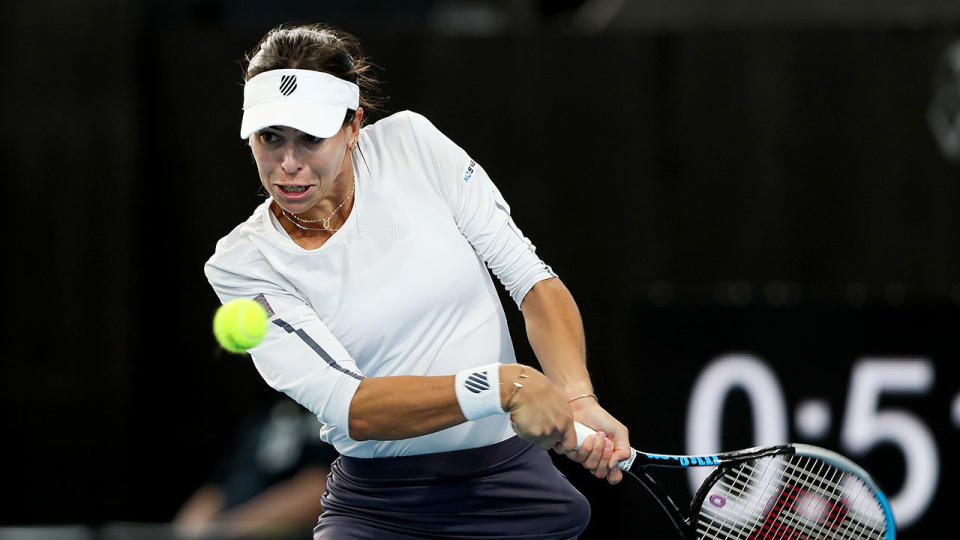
point(477, 382)
point(288, 83)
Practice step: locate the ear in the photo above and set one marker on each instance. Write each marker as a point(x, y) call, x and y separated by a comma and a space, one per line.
point(355, 125)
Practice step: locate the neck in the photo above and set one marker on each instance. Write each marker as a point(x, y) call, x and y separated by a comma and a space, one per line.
point(330, 213)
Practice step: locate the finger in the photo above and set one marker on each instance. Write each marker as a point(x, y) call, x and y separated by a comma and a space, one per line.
point(604, 466)
point(596, 453)
point(621, 439)
point(614, 476)
point(561, 449)
point(620, 455)
point(551, 440)
point(585, 448)
point(568, 442)
point(615, 473)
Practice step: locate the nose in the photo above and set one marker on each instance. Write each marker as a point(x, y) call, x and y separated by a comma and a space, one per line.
point(290, 164)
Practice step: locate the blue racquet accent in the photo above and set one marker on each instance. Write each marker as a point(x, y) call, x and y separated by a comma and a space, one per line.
point(769, 493)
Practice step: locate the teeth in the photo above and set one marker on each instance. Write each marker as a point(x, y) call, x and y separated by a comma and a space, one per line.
point(294, 189)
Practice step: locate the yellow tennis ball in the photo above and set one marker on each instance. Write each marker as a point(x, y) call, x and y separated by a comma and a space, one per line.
point(239, 325)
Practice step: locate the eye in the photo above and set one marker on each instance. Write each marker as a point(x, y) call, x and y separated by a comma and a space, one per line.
point(310, 139)
point(269, 136)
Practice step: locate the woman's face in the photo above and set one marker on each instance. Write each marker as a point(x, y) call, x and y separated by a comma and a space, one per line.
point(299, 170)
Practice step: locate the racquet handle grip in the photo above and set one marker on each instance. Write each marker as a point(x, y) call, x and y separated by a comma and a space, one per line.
point(583, 432)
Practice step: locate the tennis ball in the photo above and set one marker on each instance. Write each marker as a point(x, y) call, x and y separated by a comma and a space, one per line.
point(239, 325)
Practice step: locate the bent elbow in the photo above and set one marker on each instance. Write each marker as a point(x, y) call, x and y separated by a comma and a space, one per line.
point(359, 430)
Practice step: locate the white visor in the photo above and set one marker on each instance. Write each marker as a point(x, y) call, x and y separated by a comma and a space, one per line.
point(311, 101)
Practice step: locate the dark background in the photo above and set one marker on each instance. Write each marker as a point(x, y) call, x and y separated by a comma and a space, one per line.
point(755, 178)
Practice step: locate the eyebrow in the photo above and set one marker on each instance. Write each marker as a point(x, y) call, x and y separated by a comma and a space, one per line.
point(284, 129)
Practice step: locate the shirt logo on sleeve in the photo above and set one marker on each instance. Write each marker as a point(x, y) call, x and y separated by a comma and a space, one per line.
point(262, 300)
point(469, 172)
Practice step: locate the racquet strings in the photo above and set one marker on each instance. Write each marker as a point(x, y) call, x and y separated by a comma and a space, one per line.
point(786, 497)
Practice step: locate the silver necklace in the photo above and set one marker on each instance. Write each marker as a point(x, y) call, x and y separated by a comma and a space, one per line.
point(325, 222)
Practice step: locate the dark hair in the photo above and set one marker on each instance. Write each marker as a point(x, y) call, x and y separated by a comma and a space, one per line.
point(318, 47)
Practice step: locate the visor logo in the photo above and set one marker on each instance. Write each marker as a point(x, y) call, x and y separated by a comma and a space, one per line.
point(288, 83)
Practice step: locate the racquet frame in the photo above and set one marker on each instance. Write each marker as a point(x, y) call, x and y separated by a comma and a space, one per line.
point(638, 462)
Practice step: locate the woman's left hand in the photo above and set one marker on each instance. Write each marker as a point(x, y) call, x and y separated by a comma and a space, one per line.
point(600, 453)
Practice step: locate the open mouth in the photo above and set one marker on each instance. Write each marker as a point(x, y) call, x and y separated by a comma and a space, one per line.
point(293, 191)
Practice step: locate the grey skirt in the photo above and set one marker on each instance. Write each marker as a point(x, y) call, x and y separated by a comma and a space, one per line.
point(506, 490)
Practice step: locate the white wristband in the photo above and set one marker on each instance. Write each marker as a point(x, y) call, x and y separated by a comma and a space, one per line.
point(478, 391)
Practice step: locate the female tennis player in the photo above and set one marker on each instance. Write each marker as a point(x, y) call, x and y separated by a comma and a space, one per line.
point(370, 255)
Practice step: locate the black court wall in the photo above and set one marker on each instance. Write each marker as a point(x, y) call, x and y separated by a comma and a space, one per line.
point(757, 224)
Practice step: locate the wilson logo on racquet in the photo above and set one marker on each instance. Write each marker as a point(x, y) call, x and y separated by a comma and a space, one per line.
point(687, 461)
point(718, 500)
point(288, 83)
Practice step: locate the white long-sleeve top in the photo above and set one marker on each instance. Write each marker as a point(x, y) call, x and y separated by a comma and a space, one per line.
point(400, 289)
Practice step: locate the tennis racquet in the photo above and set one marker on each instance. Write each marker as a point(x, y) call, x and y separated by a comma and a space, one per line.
point(782, 492)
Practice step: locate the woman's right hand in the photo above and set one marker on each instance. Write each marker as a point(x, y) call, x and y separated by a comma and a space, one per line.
point(538, 411)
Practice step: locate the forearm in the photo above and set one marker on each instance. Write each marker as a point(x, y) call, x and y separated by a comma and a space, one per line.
point(555, 331)
point(393, 408)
